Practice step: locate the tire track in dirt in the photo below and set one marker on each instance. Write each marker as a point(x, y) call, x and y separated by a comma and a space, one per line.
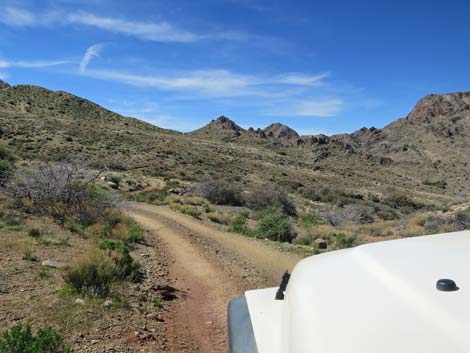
point(210, 267)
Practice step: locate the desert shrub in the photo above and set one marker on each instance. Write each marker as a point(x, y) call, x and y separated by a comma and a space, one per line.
point(328, 195)
point(275, 225)
point(151, 196)
point(120, 227)
point(401, 201)
point(309, 219)
point(135, 232)
point(20, 339)
point(387, 214)
point(267, 197)
point(435, 224)
point(307, 240)
point(220, 191)
point(34, 232)
point(7, 169)
point(441, 184)
point(219, 217)
point(193, 211)
point(11, 219)
point(113, 245)
point(343, 241)
point(63, 191)
point(349, 214)
point(6, 154)
point(461, 220)
point(115, 179)
point(94, 273)
point(239, 225)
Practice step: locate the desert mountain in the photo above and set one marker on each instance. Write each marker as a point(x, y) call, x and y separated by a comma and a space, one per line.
point(280, 133)
point(220, 129)
point(426, 154)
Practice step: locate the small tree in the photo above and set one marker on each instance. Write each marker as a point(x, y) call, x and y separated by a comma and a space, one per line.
point(275, 225)
point(63, 191)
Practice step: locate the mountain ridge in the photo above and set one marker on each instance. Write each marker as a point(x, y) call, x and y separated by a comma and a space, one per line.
point(410, 154)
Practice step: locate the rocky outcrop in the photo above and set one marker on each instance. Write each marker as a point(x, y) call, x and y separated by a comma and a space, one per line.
point(435, 105)
point(280, 133)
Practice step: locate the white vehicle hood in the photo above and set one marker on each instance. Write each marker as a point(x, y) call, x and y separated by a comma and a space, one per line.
point(376, 298)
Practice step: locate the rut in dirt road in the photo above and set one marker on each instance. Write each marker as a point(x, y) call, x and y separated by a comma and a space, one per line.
point(210, 267)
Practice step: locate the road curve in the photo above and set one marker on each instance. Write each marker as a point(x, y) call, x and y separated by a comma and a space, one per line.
point(210, 267)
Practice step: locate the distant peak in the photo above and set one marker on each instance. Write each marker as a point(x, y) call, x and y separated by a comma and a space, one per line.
point(280, 132)
point(435, 105)
point(3, 84)
point(225, 123)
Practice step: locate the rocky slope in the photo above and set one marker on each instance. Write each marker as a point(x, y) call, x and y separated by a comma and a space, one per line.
point(425, 154)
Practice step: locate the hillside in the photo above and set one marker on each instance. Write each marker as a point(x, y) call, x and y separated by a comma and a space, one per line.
point(413, 155)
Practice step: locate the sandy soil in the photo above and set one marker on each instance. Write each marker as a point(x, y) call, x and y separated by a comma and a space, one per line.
point(208, 267)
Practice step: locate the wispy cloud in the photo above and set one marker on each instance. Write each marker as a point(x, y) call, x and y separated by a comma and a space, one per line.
point(268, 93)
point(304, 80)
point(310, 107)
point(3, 76)
point(158, 32)
point(214, 83)
point(92, 52)
point(17, 17)
point(150, 31)
point(33, 64)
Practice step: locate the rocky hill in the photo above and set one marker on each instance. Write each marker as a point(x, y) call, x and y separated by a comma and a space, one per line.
point(280, 133)
point(426, 154)
point(3, 84)
point(220, 129)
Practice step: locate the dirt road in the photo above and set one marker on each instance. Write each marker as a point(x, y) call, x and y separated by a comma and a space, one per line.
point(208, 267)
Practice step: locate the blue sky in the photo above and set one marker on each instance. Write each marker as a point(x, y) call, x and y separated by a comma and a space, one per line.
point(317, 66)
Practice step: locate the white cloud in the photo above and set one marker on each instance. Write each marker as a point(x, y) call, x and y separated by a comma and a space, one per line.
point(159, 32)
point(92, 52)
point(3, 76)
point(33, 64)
point(150, 31)
point(313, 107)
point(304, 80)
point(17, 17)
point(214, 83)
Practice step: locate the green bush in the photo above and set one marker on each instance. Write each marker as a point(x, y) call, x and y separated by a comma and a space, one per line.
point(461, 220)
point(6, 154)
point(221, 191)
point(309, 219)
point(275, 225)
point(269, 196)
point(343, 241)
point(151, 196)
point(119, 226)
point(136, 232)
point(6, 171)
point(114, 245)
point(240, 225)
point(20, 339)
point(400, 200)
point(34, 232)
point(441, 184)
point(95, 273)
